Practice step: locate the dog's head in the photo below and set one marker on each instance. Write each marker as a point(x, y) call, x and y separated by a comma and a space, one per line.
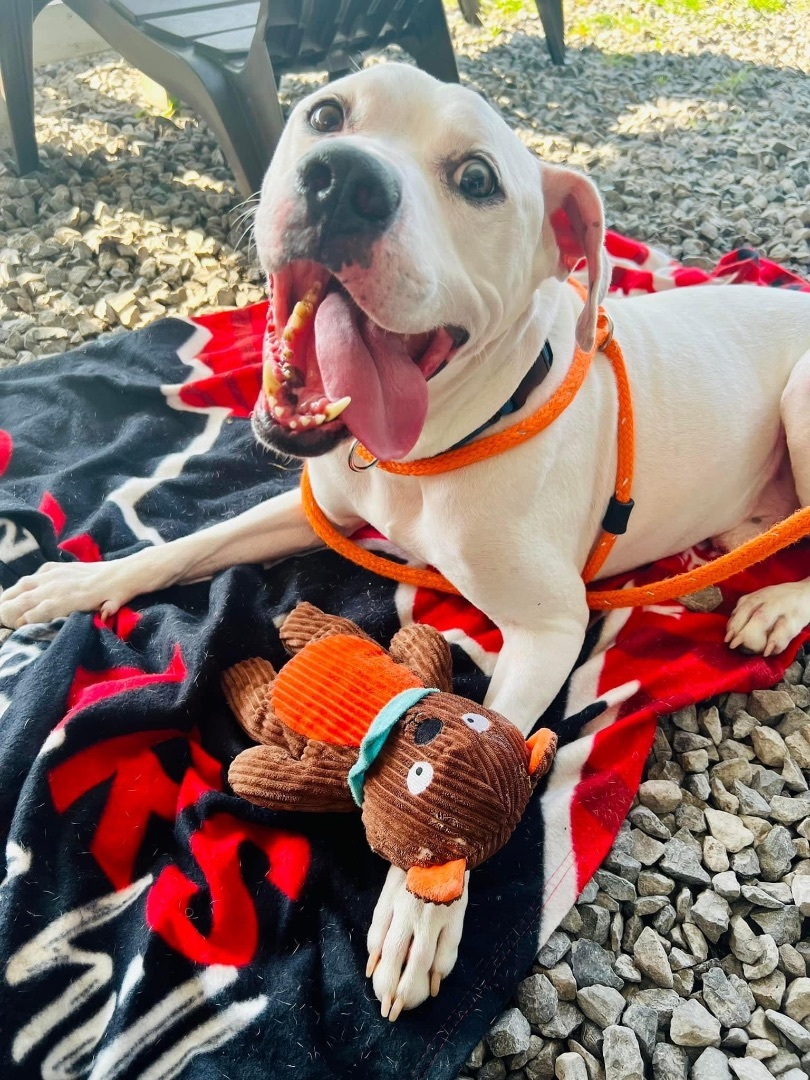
point(404, 230)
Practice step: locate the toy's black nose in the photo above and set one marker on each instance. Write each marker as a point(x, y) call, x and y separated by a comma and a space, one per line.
point(348, 193)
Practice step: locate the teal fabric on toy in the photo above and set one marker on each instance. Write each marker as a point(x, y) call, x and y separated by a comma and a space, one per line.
point(374, 739)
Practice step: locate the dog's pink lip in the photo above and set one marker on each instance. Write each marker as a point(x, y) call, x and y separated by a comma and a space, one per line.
point(289, 282)
point(310, 364)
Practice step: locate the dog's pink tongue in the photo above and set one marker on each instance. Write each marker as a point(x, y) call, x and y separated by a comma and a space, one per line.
point(388, 391)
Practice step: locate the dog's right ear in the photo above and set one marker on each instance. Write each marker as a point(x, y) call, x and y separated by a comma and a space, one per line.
point(574, 225)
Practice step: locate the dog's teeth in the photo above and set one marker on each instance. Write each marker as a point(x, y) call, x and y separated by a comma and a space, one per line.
point(279, 411)
point(302, 313)
point(305, 421)
point(293, 424)
point(270, 383)
point(335, 408)
point(319, 419)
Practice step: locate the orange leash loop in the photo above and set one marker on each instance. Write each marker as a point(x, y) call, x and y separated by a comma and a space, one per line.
point(777, 538)
point(349, 549)
point(626, 440)
point(780, 536)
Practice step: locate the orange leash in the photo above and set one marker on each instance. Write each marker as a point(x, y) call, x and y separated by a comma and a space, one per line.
point(780, 536)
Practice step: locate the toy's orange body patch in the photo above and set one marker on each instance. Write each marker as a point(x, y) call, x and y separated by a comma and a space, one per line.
point(332, 690)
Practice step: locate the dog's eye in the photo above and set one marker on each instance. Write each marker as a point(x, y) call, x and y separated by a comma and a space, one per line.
point(475, 721)
point(476, 179)
point(419, 776)
point(326, 117)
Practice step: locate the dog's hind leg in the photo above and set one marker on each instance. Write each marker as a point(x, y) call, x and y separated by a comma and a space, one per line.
point(767, 621)
point(777, 502)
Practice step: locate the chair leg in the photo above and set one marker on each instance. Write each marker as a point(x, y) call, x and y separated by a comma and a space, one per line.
point(551, 16)
point(17, 70)
point(432, 48)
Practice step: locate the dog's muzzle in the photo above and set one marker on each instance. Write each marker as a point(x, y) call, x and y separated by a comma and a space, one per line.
point(351, 198)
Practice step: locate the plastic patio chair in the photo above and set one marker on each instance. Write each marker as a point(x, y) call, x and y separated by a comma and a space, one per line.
point(551, 16)
point(224, 57)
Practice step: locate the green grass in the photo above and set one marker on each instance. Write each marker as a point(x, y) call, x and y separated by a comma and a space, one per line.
point(733, 83)
point(498, 15)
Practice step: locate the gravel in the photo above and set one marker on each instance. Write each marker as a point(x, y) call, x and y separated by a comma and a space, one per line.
point(720, 988)
point(692, 118)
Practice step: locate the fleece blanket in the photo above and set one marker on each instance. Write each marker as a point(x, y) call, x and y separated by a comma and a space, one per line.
point(153, 925)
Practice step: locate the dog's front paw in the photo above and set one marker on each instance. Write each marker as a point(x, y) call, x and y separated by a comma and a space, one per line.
point(412, 945)
point(767, 620)
point(56, 590)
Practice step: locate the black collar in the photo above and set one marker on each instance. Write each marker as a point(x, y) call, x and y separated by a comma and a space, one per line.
point(530, 381)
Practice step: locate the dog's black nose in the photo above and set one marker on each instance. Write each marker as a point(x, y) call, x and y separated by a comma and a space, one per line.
point(349, 193)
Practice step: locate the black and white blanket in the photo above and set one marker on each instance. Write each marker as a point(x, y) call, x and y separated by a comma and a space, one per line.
point(152, 924)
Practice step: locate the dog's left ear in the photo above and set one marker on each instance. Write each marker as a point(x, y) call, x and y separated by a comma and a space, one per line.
point(575, 223)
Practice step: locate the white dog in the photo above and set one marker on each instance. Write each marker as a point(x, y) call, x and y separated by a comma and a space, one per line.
point(431, 250)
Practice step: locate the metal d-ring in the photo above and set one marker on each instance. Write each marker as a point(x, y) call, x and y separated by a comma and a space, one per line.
point(610, 329)
point(353, 464)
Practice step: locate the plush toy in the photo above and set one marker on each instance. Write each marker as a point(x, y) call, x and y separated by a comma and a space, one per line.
point(441, 782)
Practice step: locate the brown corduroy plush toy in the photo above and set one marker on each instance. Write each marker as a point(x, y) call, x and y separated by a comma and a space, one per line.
point(441, 782)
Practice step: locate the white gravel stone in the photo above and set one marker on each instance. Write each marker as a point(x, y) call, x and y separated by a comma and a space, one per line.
point(602, 1004)
point(712, 914)
point(660, 796)
point(749, 1069)
point(711, 1065)
point(729, 830)
point(767, 961)
point(770, 991)
point(670, 1062)
point(797, 1033)
point(651, 958)
point(797, 1001)
point(622, 1055)
point(769, 746)
point(694, 1025)
point(570, 1067)
point(800, 887)
point(727, 885)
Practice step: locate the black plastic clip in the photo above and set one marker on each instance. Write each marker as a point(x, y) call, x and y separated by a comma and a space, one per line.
point(617, 516)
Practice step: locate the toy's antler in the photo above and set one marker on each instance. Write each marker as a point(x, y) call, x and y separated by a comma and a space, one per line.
point(307, 623)
point(315, 782)
point(247, 689)
point(424, 651)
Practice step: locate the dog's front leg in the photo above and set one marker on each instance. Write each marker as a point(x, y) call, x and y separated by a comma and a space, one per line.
point(413, 945)
point(272, 530)
point(532, 666)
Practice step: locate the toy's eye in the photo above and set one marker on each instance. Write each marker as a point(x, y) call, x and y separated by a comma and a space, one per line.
point(475, 721)
point(326, 117)
point(427, 730)
point(419, 776)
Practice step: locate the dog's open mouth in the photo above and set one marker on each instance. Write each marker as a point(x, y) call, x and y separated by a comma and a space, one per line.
point(329, 370)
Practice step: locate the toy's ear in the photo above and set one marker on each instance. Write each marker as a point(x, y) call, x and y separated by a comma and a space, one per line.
point(575, 222)
point(542, 748)
point(437, 884)
point(424, 651)
point(314, 783)
point(306, 624)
